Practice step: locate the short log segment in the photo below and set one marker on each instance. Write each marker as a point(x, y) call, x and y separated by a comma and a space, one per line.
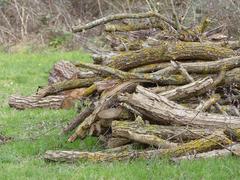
point(176, 134)
point(163, 111)
point(211, 142)
point(32, 102)
point(167, 52)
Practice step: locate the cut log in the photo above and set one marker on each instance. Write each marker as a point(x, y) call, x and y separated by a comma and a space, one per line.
point(234, 149)
point(211, 142)
point(32, 102)
point(171, 133)
point(163, 111)
point(167, 52)
point(115, 114)
point(65, 70)
point(105, 102)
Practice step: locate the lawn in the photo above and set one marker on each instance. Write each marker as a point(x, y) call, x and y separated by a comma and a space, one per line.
point(35, 131)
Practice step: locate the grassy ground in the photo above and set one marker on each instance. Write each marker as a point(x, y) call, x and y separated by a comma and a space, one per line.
point(22, 158)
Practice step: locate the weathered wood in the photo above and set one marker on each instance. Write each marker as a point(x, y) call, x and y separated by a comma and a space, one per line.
point(163, 111)
point(207, 104)
point(171, 133)
point(132, 27)
point(105, 102)
point(174, 79)
point(110, 18)
point(233, 133)
point(231, 150)
point(115, 114)
point(167, 52)
point(193, 89)
point(203, 67)
point(114, 142)
point(32, 102)
point(209, 67)
point(65, 70)
point(211, 142)
point(65, 85)
point(79, 118)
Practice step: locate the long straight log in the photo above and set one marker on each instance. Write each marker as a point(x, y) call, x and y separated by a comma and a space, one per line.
point(32, 102)
point(163, 111)
point(211, 142)
point(192, 67)
point(171, 133)
point(167, 52)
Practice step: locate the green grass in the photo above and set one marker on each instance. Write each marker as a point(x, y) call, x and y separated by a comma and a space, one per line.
point(22, 158)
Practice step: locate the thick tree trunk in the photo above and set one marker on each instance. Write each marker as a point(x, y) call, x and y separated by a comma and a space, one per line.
point(171, 133)
point(163, 111)
point(211, 142)
point(167, 52)
point(32, 102)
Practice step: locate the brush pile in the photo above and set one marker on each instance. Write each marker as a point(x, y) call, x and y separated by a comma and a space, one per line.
point(163, 90)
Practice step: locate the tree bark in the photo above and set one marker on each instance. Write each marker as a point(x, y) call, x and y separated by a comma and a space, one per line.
point(211, 154)
point(163, 111)
point(65, 85)
point(167, 52)
point(214, 141)
point(79, 118)
point(114, 142)
point(105, 102)
point(175, 134)
point(32, 102)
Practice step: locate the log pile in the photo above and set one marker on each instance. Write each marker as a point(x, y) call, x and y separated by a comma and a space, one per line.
point(154, 95)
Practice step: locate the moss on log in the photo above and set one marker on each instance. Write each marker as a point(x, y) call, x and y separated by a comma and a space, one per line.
point(166, 52)
point(208, 143)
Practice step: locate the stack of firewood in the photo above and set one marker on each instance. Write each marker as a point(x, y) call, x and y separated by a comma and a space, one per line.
point(157, 93)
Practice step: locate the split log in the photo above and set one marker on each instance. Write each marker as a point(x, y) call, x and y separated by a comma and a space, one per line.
point(175, 134)
point(167, 52)
point(32, 102)
point(105, 102)
point(163, 111)
point(214, 141)
point(232, 150)
point(65, 85)
point(233, 134)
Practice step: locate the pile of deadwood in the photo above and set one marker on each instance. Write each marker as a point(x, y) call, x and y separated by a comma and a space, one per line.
point(164, 90)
